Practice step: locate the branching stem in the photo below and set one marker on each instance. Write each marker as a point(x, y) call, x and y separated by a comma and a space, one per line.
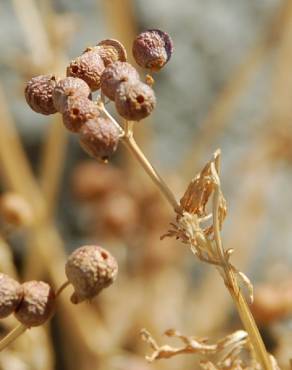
point(228, 274)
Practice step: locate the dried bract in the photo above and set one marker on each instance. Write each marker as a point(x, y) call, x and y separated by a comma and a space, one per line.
point(90, 269)
point(66, 87)
point(152, 49)
point(37, 304)
point(114, 75)
point(38, 94)
point(10, 295)
point(99, 137)
point(89, 67)
point(135, 101)
point(78, 110)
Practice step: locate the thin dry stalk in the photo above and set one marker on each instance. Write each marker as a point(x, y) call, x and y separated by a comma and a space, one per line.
point(192, 207)
point(249, 210)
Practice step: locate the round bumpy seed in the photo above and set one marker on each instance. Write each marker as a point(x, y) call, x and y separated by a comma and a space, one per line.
point(99, 137)
point(77, 110)
point(10, 295)
point(90, 269)
point(37, 304)
point(69, 86)
point(89, 67)
point(38, 94)
point(110, 51)
point(114, 75)
point(152, 49)
point(135, 101)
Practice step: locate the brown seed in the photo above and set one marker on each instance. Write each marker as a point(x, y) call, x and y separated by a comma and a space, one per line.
point(90, 269)
point(77, 110)
point(99, 137)
point(110, 51)
point(152, 49)
point(11, 293)
point(38, 94)
point(135, 101)
point(69, 86)
point(114, 75)
point(37, 304)
point(89, 67)
point(15, 210)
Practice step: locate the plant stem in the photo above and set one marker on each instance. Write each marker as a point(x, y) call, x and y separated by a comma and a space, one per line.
point(10, 337)
point(229, 278)
point(132, 146)
point(233, 288)
point(62, 288)
point(129, 141)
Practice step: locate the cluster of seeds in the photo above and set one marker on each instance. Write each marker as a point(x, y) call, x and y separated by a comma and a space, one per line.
point(31, 302)
point(103, 67)
point(89, 269)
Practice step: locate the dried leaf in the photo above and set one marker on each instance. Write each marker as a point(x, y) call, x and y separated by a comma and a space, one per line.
point(200, 189)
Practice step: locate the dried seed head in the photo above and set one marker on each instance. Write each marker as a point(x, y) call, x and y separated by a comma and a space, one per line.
point(15, 210)
point(10, 295)
point(99, 137)
point(69, 86)
point(37, 304)
point(114, 75)
point(90, 269)
point(135, 101)
point(152, 49)
point(110, 51)
point(38, 94)
point(89, 67)
point(77, 110)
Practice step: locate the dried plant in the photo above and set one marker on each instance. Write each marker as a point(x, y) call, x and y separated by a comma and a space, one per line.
point(199, 215)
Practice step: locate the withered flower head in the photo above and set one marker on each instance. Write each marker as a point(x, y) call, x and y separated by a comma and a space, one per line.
point(77, 110)
point(115, 74)
point(135, 100)
point(110, 51)
point(11, 293)
point(89, 67)
point(37, 303)
point(66, 87)
point(152, 49)
point(90, 269)
point(99, 137)
point(38, 94)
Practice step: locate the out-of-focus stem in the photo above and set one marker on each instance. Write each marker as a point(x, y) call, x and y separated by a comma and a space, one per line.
point(12, 336)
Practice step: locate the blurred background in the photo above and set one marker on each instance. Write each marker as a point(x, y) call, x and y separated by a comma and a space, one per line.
point(228, 85)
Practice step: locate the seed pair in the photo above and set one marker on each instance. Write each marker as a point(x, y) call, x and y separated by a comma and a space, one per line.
point(31, 302)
